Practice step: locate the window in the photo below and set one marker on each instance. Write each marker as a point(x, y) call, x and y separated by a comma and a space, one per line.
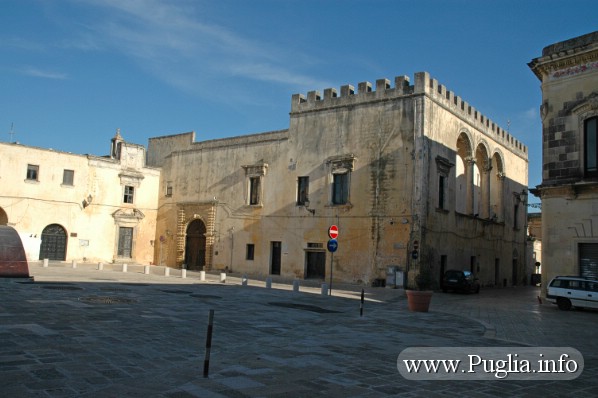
point(254, 190)
point(32, 172)
point(340, 189)
point(254, 175)
point(443, 168)
point(302, 190)
point(68, 176)
point(169, 190)
point(591, 147)
point(129, 194)
point(250, 251)
point(340, 168)
point(516, 216)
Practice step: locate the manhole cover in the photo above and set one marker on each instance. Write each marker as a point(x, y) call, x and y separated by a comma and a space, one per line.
point(58, 287)
point(305, 307)
point(176, 291)
point(205, 296)
point(107, 300)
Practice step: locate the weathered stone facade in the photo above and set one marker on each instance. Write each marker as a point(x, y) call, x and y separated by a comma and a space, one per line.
point(568, 72)
point(80, 207)
point(411, 174)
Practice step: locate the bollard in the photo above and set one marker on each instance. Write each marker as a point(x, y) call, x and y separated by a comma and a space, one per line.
point(295, 285)
point(101, 266)
point(45, 263)
point(166, 271)
point(202, 275)
point(244, 280)
point(268, 283)
point(125, 266)
point(362, 300)
point(223, 277)
point(146, 270)
point(183, 273)
point(324, 289)
point(74, 263)
point(206, 362)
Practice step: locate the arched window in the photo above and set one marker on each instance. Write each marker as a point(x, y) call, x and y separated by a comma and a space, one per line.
point(481, 183)
point(497, 176)
point(464, 175)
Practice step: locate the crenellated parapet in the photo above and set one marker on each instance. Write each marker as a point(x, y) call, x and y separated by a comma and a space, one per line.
point(384, 91)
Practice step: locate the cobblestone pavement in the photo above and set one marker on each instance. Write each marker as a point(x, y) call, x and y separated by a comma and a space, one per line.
point(89, 333)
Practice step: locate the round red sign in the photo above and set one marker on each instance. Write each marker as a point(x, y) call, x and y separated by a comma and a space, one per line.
point(333, 232)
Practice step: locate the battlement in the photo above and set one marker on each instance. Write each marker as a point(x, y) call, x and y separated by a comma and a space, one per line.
point(423, 84)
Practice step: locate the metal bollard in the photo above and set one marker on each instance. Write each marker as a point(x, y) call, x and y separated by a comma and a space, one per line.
point(125, 266)
point(324, 289)
point(223, 277)
point(146, 269)
point(166, 271)
point(202, 275)
point(74, 263)
point(268, 283)
point(101, 266)
point(244, 280)
point(183, 273)
point(295, 285)
point(45, 263)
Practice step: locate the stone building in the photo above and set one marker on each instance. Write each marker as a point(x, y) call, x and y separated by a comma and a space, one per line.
point(412, 175)
point(568, 72)
point(534, 228)
point(80, 207)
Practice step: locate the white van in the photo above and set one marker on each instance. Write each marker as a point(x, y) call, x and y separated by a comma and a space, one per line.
point(573, 291)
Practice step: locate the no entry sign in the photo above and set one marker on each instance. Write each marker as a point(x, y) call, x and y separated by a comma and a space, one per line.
point(333, 232)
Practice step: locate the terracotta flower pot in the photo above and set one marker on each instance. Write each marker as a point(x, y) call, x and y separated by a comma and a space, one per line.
point(419, 301)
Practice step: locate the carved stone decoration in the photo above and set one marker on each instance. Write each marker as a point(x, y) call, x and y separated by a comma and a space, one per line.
point(443, 165)
point(341, 164)
point(128, 216)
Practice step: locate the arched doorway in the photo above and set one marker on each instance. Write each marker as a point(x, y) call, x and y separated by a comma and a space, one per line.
point(53, 246)
point(195, 245)
point(3, 217)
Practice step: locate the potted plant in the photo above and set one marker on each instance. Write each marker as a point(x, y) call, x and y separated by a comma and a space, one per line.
point(419, 300)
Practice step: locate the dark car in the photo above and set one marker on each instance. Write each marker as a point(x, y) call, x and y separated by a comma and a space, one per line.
point(462, 281)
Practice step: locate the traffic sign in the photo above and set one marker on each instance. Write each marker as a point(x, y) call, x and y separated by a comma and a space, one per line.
point(333, 232)
point(332, 245)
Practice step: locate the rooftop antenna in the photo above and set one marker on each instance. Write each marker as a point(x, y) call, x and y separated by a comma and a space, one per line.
point(12, 132)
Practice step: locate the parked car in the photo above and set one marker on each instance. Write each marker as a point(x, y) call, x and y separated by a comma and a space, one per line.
point(458, 280)
point(573, 291)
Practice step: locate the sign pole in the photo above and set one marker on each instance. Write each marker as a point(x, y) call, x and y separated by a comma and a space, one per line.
point(331, 261)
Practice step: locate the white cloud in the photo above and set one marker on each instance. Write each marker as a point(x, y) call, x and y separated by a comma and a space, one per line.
point(531, 114)
point(174, 42)
point(35, 72)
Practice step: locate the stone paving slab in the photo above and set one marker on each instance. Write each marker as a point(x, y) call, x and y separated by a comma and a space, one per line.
point(89, 333)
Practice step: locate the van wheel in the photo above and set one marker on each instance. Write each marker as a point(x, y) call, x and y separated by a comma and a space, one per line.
point(563, 304)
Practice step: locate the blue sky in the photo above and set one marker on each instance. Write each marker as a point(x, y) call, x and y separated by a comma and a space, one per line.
point(72, 72)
